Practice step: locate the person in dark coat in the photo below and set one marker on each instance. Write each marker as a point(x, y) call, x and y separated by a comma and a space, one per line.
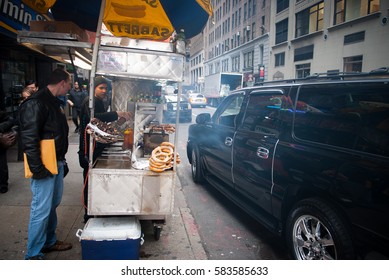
point(6, 140)
point(100, 112)
point(32, 85)
point(76, 97)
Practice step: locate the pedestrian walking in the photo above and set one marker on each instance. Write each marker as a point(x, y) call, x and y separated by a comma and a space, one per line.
point(41, 117)
point(76, 97)
point(100, 112)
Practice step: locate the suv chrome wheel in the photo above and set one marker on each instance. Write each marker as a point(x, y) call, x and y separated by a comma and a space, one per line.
point(315, 230)
point(312, 240)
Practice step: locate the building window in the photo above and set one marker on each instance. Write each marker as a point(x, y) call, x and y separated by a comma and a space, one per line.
point(249, 8)
point(303, 53)
point(303, 70)
point(225, 65)
point(253, 31)
point(261, 52)
point(346, 10)
point(282, 31)
point(354, 38)
point(245, 12)
point(310, 20)
point(235, 64)
point(210, 69)
point(217, 67)
point(282, 5)
point(352, 63)
point(248, 60)
point(279, 59)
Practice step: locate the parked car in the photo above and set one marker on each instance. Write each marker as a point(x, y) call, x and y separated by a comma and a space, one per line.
point(308, 159)
point(197, 100)
point(170, 109)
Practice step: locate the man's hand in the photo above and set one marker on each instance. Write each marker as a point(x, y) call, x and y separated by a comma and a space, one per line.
point(44, 173)
point(7, 139)
point(65, 169)
point(126, 115)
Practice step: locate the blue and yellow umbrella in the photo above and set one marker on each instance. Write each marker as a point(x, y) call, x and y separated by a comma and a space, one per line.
point(138, 19)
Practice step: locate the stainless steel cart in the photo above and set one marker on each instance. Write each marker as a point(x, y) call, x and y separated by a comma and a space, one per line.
point(116, 187)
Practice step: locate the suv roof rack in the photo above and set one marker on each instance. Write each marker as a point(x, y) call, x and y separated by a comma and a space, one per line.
point(331, 75)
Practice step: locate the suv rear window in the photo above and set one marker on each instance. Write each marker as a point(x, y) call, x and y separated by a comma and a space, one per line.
point(349, 115)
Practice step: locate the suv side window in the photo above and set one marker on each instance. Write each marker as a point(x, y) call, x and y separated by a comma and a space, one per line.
point(348, 115)
point(231, 110)
point(262, 112)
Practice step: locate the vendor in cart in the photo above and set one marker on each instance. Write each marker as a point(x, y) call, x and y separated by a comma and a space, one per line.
point(100, 112)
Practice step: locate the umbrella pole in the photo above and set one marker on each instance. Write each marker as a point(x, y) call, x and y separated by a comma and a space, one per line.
point(74, 66)
point(94, 56)
point(93, 74)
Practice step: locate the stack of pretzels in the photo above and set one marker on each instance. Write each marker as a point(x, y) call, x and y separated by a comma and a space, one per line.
point(162, 157)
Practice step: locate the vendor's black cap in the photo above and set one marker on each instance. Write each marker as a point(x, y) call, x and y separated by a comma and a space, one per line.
point(100, 80)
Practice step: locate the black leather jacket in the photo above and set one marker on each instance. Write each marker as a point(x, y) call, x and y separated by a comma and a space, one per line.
point(41, 117)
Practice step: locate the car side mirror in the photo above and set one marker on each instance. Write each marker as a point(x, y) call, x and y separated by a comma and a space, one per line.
point(203, 118)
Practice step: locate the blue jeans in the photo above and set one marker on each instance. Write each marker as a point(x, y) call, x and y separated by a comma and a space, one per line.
point(46, 196)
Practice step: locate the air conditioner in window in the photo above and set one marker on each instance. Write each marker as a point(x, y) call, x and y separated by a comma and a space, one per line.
point(248, 27)
point(238, 33)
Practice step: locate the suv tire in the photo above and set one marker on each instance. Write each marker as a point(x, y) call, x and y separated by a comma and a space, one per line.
point(196, 166)
point(315, 231)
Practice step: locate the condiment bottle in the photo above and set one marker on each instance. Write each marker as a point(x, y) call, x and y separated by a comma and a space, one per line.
point(128, 141)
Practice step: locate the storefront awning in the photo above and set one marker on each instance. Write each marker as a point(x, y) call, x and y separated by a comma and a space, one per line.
point(62, 47)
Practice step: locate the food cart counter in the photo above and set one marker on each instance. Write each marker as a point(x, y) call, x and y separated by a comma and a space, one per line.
point(120, 189)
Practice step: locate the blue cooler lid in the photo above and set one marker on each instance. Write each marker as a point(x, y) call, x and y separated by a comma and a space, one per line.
point(111, 228)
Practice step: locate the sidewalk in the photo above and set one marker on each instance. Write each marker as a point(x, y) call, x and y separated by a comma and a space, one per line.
point(179, 237)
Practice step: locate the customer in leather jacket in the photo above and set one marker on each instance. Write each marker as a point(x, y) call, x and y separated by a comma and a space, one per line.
point(42, 117)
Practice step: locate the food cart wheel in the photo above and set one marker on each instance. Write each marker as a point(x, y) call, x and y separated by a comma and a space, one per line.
point(157, 232)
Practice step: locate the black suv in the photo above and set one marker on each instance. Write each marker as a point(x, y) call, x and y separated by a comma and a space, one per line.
point(308, 158)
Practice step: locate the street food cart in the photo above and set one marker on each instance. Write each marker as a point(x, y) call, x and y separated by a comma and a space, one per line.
point(120, 182)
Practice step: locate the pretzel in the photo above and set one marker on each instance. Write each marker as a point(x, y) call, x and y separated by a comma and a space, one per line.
point(162, 157)
point(168, 144)
point(155, 169)
point(167, 149)
point(157, 164)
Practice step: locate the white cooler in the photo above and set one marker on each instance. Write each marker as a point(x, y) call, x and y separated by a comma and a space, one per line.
point(111, 238)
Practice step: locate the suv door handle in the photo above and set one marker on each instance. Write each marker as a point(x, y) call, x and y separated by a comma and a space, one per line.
point(228, 141)
point(263, 152)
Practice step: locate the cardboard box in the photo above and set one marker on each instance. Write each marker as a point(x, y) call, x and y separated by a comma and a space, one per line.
point(111, 238)
point(67, 27)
